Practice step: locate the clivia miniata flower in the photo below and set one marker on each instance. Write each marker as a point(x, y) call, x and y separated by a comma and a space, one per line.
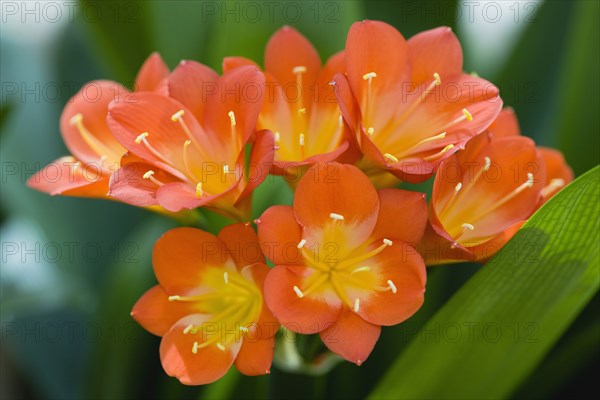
point(409, 102)
point(558, 172)
point(344, 263)
point(96, 154)
point(208, 306)
point(188, 149)
point(300, 106)
point(481, 197)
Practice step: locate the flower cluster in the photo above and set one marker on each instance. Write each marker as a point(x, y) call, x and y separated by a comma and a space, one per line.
point(349, 256)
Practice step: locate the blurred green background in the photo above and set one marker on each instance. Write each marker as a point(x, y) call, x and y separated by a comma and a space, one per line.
point(72, 268)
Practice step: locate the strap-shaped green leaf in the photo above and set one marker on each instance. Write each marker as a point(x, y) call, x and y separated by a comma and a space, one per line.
point(497, 328)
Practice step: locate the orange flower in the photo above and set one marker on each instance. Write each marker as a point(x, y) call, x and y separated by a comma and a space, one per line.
point(558, 172)
point(408, 102)
point(208, 306)
point(96, 152)
point(344, 264)
point(188, 149)
point(481, 197)
point(300, 106)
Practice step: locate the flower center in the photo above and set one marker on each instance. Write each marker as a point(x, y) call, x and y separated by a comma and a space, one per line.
point(233, 305)
point(461, 218)
point(191, 167)
point(345, 273)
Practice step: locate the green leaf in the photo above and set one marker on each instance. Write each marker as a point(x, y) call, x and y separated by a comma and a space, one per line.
point(122, 32)
point(498, 327)
point(116, 365)
point(577, 121)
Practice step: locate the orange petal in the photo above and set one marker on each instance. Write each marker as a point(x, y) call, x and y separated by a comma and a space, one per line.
point(505, 124)
point(403, 266)
point(181, 255)
point(241, 243)
point(286, 50)
point(511, 160)
point(239, 91)
point(267, 325)
point(339, 189)
point(153, 71)
point(348, 105)
point(129, 185)
point(151, 113)
point(307, 315)
point(205, 366)
point(58, 177)
point(279, 234)
point(191, 83)
point(157, 314)
point(374, 46)
point(485, 251)
point(558, 172)
point(230, 63)
point(351, 337)
point(255, 357)
point(92, 101)
point(437, 248)
point(402, 216)
point(261, 161)
point(434, 51)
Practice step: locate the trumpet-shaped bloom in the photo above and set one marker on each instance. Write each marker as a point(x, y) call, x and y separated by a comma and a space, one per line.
point(408, 102)
point(300, 106)
point(558, 172)
point(481, 197)
point(208, 306)
point(188, 149)
point(96, 154)
point(344, 263)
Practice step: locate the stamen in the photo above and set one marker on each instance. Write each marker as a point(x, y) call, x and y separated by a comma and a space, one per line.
point(220, 346)
point(392, 286)
point(187, 329)
point(530, 180)
point(387, 242)
point(302, 243)
point(458, 186)
point(298, 292)
point(300, 69)
point(336, 217)
point(437, 155)
point(356, 305)
point(302, 110)
point(467, 114)
point(488, 163)
point(370, 131)
point(302, 155)
point(369, 75)
point(244, 329)
point(231, 117)
point(468, 226)
point(150, 175)
point(177, 116)
point(90, 139)
point(361, 269)
point(437, 78)
point(195, 348)
point(277, 137)
point(226, 170)
point(174, 298)
point(141, 137)
point(199, 191)
point(390, 157)
point(186, 144)
point(226, 277)
point(553, 185)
